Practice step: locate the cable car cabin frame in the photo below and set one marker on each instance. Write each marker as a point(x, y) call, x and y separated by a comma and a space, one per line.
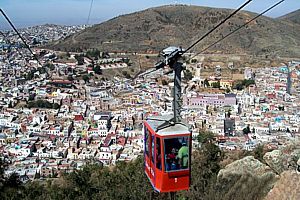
point(165, 165)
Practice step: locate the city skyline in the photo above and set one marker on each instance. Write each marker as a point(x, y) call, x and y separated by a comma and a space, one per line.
point(73, 12)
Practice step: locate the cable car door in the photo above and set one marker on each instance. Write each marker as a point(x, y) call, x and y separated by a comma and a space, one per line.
point(149, 155)
point(152, 165)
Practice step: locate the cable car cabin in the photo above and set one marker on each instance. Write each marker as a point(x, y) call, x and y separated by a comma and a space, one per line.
point(167, 155)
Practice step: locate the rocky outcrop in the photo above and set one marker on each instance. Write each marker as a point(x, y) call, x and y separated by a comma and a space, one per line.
point(275, 160)
point(283, 159)
point(246, 178)
point(286, 188)
point(275, 178)
point(246, 165)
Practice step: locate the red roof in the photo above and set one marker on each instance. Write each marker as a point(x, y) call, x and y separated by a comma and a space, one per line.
point(79, 118)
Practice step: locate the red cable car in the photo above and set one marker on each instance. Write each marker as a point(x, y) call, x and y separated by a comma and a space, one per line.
point(167, 155)
point(167, 140)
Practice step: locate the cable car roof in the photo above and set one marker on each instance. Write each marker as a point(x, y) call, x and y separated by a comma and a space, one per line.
point(156, 121)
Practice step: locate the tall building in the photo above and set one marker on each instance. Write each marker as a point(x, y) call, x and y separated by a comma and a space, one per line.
point(248, 74)
point(198, 71)
point(289, 80)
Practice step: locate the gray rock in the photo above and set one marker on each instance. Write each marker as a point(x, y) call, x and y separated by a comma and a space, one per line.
point(283, 159)
point(287, 187)
point(246, 165)
point(246, 178)
point(275, 160)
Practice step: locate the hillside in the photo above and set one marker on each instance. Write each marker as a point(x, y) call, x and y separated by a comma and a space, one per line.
point(215, 175)
point(292, 17)
point(153, 29)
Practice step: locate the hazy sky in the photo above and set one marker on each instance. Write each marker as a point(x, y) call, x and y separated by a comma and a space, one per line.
point(34, 12)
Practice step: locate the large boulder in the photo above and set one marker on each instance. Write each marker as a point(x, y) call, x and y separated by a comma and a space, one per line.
point(275, 160)
point(246, 165)
point(287, 187)
point(283, 159)
point(246, 178)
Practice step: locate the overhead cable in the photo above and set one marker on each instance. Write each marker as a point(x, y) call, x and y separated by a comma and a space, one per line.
point(20, 36)
point(237, 29)
point(90, 11)
point(213, 29)
point(10, 43)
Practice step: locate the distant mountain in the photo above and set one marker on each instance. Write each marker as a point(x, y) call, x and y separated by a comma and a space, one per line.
point(293, 17)
point(157, 28)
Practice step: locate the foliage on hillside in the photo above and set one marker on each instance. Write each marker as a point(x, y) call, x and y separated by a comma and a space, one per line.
point(128, 181)
point(42, 104)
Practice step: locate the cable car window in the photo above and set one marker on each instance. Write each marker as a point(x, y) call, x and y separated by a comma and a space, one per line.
point(176, 153)
point(152, 149)
point(158, 154)
point(146, 141)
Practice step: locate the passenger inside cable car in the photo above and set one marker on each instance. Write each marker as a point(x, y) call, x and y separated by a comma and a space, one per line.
point(176, 153)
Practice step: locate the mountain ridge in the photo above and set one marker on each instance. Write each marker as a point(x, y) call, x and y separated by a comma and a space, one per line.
point(153, 29)
point(292, 17)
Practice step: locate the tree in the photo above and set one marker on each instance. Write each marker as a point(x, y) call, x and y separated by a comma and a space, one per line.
point(56, 106)
point(10, 185)
point(93, 53)
point(246, 130)
point(128, 181)
point(86, 78)
point(40, 104)
point(80, 59)
point(70, 78)
point(228, 114)
point(216, 84)
point(30, 74)
point(188, 75)
point(49, 66)
point(1, 171)
point(126, 74)
point(247, 82)
point(240, 85)
point(97, 70)
point(205, 137)
point(205, 168)
point(164, 82)
point(42, 70)
point(10, 104)
point(259, 153)
point(31, 97)
point(194, 60)
point(206, 83)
